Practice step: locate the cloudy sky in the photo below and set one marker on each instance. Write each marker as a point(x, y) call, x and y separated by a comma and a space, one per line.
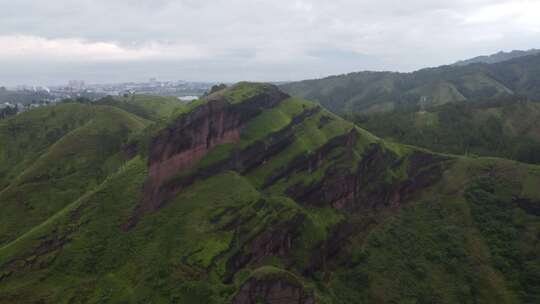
point(52, 41)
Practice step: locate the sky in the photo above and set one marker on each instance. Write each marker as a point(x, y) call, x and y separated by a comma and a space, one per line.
point(48, 42)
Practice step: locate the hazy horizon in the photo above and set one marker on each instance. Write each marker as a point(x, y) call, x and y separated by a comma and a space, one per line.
point(52, 42)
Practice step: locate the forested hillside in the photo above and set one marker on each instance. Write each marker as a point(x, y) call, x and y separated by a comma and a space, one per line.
point(507, 127)
point(370, 92)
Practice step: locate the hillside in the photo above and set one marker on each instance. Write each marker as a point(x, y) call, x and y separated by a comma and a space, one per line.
point(498, 57)
point(51, 156)
point(253, 196)
point(370, 92)
point(507, 127)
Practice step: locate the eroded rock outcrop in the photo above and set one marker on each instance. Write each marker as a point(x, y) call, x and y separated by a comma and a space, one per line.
point(370, 185)
point(276, 240)
point(272, 291)
point(182, 144)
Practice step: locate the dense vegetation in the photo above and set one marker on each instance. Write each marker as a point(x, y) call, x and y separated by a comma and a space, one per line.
point(506, 127)
point(271, 198)
point(370, 92)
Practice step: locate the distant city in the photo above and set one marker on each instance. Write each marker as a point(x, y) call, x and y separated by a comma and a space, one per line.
point(24, 97)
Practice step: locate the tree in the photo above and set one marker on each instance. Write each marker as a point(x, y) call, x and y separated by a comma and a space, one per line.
point(8, 111)
point(216, 88)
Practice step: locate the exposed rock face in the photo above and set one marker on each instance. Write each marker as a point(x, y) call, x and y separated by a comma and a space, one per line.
point(180, 146)
point(272, 291)
point(277, 240)
point(183, 144)
point(369, 186)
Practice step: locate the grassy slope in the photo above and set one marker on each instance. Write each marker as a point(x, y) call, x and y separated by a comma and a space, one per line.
point(55, 155)
point(26, 136)
point(462, 241)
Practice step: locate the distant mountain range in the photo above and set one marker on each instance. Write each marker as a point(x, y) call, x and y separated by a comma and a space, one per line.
point(498, 57)
point(370, 92)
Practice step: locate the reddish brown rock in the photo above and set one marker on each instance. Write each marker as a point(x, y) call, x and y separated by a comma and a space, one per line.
point(370, 186)
point(190, 137)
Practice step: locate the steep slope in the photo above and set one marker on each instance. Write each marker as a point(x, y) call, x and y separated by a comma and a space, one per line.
point(508, 127)
point(370, 92)
point(51, 156)
point(252, 196)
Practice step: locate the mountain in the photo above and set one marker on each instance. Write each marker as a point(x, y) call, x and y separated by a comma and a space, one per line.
point(53, 155)
point(498, 57)
point(252, 196)
point(370, 92)
point(507, 127)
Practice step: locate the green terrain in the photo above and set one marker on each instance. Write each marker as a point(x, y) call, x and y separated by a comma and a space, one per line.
point(370, 92)
point(252, 196)
point(507, 127)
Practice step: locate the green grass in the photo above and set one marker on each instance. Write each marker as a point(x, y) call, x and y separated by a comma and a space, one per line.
point(233, 95)
point(244, 90)
point(54, 174)
point(308, 138)
point(273, 120)
point(99, 217)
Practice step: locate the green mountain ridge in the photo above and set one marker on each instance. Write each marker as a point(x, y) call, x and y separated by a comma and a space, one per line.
point(253, 196)
point(370, 92)
point(507, 127)
point(498, 57)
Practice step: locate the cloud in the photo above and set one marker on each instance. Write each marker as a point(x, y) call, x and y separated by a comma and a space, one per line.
point(31, 48)
point(259, 39)
point(521, 11)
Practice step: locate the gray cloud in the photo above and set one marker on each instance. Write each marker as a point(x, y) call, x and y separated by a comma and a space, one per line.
point(52, 41)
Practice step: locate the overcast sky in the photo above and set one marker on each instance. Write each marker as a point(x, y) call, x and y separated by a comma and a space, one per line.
point(52, 41)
